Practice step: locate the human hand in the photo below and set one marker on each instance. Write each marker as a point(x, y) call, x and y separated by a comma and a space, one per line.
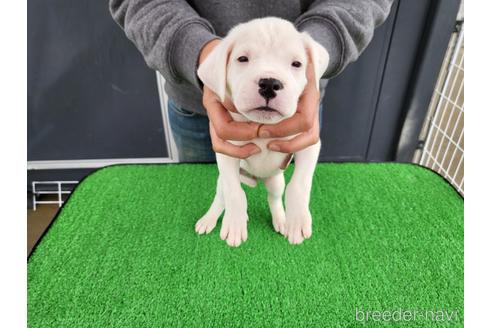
point(304, 123)
point(222, 125)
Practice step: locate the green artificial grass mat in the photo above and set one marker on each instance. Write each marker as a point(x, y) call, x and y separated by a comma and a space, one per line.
point(123, 252)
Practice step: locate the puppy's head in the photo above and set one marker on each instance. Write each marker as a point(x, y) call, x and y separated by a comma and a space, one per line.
point(261, 66)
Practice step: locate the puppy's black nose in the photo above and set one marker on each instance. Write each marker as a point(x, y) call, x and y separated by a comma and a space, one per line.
point(268, 87)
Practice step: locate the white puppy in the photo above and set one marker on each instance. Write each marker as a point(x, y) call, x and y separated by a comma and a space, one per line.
point(261, 66)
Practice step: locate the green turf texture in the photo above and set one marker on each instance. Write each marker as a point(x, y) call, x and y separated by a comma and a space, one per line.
point(123, 253)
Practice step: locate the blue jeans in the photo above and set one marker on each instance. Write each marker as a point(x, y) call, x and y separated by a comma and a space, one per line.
point(192, 136)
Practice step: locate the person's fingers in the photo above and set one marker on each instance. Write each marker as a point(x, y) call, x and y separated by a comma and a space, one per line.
point(295, 144)
point(310, 74)
point(228, 129)
point(229, 105)
point(299, 122)
point(299, 142)
point(241, 152)
point(225, 127)
point(226, 148)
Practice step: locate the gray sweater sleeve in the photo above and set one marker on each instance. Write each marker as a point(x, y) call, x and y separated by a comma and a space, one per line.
point(169, 34)
point(343, 27)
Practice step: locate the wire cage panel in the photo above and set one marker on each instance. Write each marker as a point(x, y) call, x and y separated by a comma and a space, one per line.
point(443, 132)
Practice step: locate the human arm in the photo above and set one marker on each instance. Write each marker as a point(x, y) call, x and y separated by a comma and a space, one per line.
point(168, 33)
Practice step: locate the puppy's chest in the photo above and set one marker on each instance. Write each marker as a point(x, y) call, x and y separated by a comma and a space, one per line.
point(266, 163)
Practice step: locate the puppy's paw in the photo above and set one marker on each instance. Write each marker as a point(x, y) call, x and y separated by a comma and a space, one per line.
point(298, 228)
point(278, 222)
point(234, 231)
point(206, 224)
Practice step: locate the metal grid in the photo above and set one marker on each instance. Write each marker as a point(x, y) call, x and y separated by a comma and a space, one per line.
point(50, 188)
point(443, 133)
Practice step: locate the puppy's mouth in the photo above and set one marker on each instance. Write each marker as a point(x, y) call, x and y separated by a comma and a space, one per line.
point(265, 109)
point(264, 114)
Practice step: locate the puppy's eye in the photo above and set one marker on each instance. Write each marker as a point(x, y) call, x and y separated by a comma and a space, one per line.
point(243, 59)
point(296, 64)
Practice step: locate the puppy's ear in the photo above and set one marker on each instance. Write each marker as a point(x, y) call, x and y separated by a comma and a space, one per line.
point(213, 71)
point(318, 55)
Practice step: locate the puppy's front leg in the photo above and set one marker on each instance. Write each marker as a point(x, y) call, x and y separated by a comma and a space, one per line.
point(234, 224)
point(275, 186)
point(298, 217)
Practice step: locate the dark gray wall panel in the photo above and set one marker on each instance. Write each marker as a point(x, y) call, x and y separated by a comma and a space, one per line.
point(402, 57)
point(351, 98)
point(441, 22)
point(90, 94)
point(388, 88)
